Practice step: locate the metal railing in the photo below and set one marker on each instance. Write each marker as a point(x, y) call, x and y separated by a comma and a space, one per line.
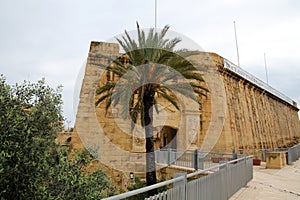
point(256, 81)
point(218, 182)
point(192, 159)
point(293, 154)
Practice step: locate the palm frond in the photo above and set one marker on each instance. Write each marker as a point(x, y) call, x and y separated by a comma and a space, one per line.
point(193, 76)
point(186, 53)
point(108, 103)
point(141, 36)
point(200, 92)
point(108, 58)
point(102, 98)
point(155, 49)
point(172, 43)
point(118, 70)
point(198, 86)
point(149, 40)
point(169, 98)
point(107, 87)
point(162, 34)
point(127, 43)
point(184, 89)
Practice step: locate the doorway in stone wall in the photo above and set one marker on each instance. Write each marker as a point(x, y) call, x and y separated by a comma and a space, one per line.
point(166, 138)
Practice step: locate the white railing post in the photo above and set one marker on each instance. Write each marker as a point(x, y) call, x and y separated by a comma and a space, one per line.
point(264, 153)
point(290, 157)
point(245, 171)
point(182, 185)
point(169, 157)
point(227, 183)
point(296, 152)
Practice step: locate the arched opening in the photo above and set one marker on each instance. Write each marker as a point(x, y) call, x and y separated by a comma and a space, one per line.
point(166, 138)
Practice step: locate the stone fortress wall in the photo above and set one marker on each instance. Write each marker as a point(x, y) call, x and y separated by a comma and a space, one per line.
point(255, 117)
point(236, 114)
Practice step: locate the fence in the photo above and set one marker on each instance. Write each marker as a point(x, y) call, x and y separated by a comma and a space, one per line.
point(218, 182)
point(192, 159)
point(293, 153)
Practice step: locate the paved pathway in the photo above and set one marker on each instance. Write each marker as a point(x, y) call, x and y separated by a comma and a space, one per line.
point(272, 184)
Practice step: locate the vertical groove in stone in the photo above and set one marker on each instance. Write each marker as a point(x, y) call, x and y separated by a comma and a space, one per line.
point(255, 118)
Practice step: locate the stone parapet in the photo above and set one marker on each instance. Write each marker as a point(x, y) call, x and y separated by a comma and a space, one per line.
point(275, 160)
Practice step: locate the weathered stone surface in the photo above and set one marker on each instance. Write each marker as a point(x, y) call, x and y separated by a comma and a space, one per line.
point(255, 118)
point(275, 160)
point(236, 114)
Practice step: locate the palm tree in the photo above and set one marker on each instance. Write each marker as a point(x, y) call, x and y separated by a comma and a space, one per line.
point(154, 69)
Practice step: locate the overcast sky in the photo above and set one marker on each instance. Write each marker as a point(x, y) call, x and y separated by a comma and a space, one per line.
point(51, 38)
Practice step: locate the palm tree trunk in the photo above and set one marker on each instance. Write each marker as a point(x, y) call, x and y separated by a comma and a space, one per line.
point(148, 102)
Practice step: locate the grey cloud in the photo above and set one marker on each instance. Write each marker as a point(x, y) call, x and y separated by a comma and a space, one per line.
point(51, 38)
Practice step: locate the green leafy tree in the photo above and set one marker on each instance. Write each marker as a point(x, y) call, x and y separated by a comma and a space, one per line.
point(29, 121)
point(154, 69)
point(32, 165)
point(71, 181)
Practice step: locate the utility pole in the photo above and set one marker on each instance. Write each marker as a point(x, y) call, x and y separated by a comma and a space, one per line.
point(236, 44)
point(155, 15)
point(266, 68)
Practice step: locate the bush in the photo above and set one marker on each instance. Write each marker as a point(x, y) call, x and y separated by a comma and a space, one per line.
point(139, 184)
point(32, 165)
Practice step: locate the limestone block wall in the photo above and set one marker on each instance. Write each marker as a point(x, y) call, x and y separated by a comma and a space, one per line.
point(88, 132)
point(255, 118)
point(236, 114)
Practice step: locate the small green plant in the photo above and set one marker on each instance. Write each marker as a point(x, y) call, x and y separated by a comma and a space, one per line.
point(140, 184)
